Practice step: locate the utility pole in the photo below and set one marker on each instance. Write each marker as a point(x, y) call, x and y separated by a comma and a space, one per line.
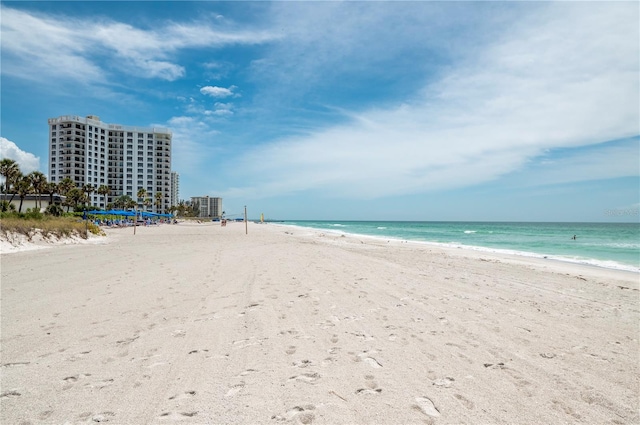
point(246, 228)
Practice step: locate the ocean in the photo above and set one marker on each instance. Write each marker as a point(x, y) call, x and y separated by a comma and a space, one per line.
point(610, 245)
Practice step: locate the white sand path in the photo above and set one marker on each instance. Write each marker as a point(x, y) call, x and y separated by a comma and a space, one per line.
point(194, 323)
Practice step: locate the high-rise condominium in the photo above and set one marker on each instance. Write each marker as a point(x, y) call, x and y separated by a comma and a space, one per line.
point(207, 206)
point(124, 158)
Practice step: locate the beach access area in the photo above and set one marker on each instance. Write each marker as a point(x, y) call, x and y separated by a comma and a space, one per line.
point(201, 324)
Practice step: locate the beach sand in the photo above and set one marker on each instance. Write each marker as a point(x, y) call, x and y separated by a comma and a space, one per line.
point(196, 323)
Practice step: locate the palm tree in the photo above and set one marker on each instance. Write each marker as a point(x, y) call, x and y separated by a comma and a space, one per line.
point(181, 208)
point(104, 191)
point(9, 169)
point(51, 189)
point(75, 197)
point(119, 201)
point(159, 201)
point(142, 194)
point(23, 188)
point(130, 203)
point(38, 183)
point(88, 189)
point(64, 188)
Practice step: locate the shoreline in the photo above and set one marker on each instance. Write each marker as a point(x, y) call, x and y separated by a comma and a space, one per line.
point(19, 243)
point(200, 323)
point(588, 262)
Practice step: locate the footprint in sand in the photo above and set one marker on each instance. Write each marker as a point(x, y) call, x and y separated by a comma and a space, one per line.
point(426, 406)
point(235, 389)
point(364, 357)
point(247, 372)
point(70, 380)
point(303, 363)
point(186, 394)
point(443, 382)
point(302, 414)
point(101, 384)
point(291, 349)
point(372, 386)
point(10, 393)
point(102, 417)
point(309, 378)
point(177, 416)
point(369, 391)
point(465, 401)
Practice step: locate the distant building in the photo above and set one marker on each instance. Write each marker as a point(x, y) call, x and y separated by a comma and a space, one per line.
point(175, 188)
point(124, 158)
point(207, 206)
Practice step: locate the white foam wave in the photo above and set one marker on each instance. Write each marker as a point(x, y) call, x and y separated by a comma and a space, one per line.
point(470, 231)
point(576, 260)
point(381, 228)
point(617, 245)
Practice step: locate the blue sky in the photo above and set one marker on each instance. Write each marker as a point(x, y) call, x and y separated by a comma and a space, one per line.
point(519, 111)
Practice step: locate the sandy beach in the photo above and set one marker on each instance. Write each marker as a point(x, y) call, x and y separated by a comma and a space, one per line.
point(202, 324)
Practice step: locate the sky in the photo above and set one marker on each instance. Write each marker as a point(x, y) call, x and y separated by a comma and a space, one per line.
point(460, 111)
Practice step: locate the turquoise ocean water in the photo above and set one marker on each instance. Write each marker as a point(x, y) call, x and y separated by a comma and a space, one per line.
point(611, 245)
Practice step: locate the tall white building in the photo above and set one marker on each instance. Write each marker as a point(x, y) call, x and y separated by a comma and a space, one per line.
point(208, 206)
point(123, 158)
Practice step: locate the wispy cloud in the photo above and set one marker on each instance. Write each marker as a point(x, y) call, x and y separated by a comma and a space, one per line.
point(564, 76)
point(76, 48)
point(608, 160)
point(190, 152)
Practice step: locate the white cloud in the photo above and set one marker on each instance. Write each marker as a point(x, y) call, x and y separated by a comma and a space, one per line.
point(217, 70)
point(223, 108)
point(565, 75)
point(190, 149)
point(28, 162)
point(75, 47)
point(26, 56)
point(218, 92)
point(604, 161)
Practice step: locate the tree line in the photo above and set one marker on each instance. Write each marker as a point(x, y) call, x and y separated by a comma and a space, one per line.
point(77, 197)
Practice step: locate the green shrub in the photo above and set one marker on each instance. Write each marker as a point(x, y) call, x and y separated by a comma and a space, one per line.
point(55, 210)
point(6, 206)
point(33, 214)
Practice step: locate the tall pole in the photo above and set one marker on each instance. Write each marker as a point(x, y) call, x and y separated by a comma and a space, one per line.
point(246, 228)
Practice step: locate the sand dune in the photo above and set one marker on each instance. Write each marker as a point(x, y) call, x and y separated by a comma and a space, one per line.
point(195, 323)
